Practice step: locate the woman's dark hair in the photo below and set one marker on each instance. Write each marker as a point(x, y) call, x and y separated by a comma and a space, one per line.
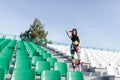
point(75, 31)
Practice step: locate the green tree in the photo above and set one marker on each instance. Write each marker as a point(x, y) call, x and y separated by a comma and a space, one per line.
point(36, 33)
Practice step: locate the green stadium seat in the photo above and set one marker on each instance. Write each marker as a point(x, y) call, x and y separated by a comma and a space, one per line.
point(22, 57)
point(4, 43)
point(21, 52)
point(42, 65)
point(2, 74)
point(52, 61)
point(6, 55)
point(33, 53)
point(46, 55)
point(23, 74)
point(50, 75)
point(4, 64)
point(74, 76)
point(41, 52)
point(62, 67)
point(23, 64)
point(35, 59)
point(1, 39)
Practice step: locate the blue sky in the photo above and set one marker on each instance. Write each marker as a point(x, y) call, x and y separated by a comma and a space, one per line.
point(97, 21)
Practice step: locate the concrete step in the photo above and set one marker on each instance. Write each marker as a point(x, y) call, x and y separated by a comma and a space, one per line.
point(93, 78)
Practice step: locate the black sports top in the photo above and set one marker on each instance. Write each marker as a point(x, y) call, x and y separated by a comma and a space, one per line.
point(75, 38)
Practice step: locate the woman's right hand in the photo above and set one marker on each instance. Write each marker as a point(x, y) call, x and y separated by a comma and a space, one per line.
point(68, 33)
point(68, 30)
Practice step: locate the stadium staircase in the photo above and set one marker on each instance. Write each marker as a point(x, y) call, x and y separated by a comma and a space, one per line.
point(97, 64)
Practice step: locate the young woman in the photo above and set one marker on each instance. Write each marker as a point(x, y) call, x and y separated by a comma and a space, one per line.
point(74, 47)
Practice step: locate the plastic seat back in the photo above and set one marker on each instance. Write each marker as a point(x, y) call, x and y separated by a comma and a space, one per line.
point(46, 55)
point(26, 74)
point(26, 64)
point(42, 65)
point(2, 74)
point(74, 76)
point(50, 75)
point(4, 64)
point(62, 67)
point(52, 61)
point(35, 59)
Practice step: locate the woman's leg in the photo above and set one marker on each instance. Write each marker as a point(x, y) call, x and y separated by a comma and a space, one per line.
point(73, 60)
point(72, 55)
point(79, 60)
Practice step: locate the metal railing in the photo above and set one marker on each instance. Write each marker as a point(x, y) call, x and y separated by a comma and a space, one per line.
point(10, 36)
point(16, 37)
point(95, 48)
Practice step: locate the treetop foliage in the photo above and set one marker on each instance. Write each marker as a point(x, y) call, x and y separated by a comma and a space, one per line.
point(35, 33)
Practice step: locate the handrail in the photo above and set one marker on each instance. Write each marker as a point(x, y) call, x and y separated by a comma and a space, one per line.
point(95, 48)
point(14, 37)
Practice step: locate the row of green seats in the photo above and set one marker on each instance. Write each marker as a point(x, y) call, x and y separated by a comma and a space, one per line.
point(3, 44)
point(41, 51)
point(22, 69)
point(45, 65)
point(48, 63)
point(36, 52)
point(19, 74)
point(38, 48)
point(6, 56)
point(31, 51)
point(55, 75)
point(9, 50)
point(22, 59)
point(21, 46)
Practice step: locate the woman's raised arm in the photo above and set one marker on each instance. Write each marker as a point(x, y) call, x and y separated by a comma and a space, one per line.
point(68, 33)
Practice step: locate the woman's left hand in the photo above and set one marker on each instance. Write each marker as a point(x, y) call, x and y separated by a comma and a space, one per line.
point(76, 42)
